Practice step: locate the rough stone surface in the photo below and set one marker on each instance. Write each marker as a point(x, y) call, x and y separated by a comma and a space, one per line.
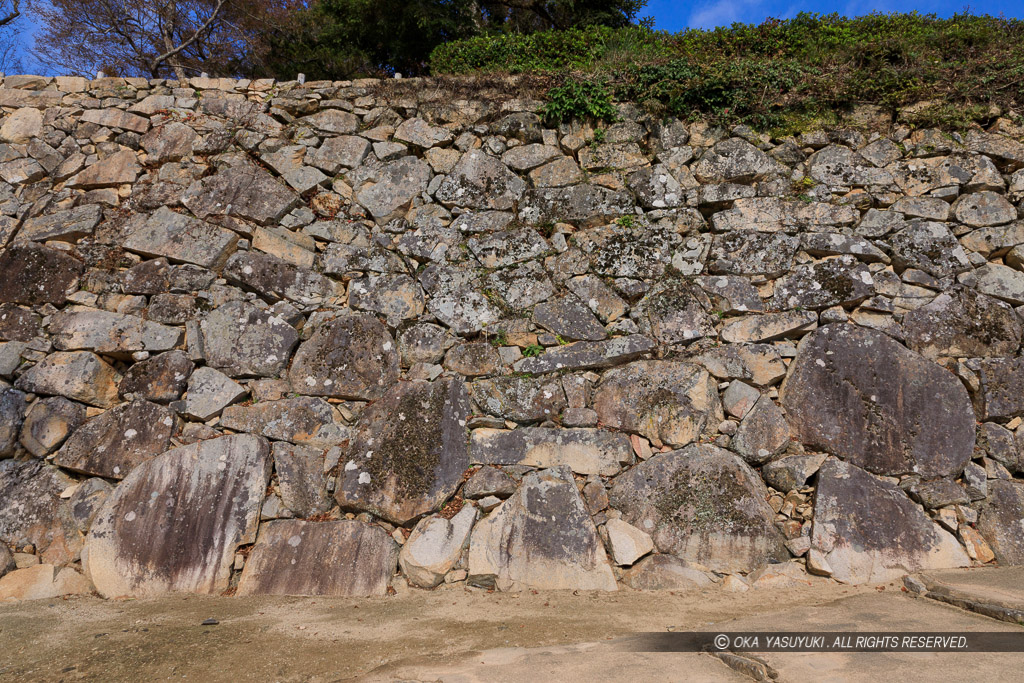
point(408, 452)
point(584, 451)
point(665, 573)
point(77, 375)
point(31, 511)
point(704, 505)
point(181, 239)
point(34, 274)
point(242, 340)
point(434, 547)
point(868, 531)
point(118, 441)
point(298, 420)
point(1001, 521)
point(336, 559)
point(242, 191)
point(626, 543)
point(668, 402)
point(962, 322)
point(863, 397)
point(201, 500)
point(351, 357)
point(541, 538)
point(302, 478)
point(105, 332)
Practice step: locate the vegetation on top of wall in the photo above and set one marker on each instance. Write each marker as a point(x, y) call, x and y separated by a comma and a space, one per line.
point(779, 74)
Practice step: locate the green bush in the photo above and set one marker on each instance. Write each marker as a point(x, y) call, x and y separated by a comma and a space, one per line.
point(778, 74)
point(583, 100)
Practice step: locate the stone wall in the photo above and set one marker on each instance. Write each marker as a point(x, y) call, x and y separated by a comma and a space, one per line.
point(330, 338)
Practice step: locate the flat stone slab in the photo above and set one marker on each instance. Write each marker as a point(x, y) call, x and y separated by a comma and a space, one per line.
point(704, 505)
point(119, 440)
point(246, 192)
point(105, 332)
point(299, 420)
point(63, 225)
point(582, 355)
point(585, 451)
point(275, 279)
point(181, 239)
point(408, 453)
point(541, 538)
point(868, 531)
point(860, 395)
point(338, 559)
point(201, 501)
point(1001, 586)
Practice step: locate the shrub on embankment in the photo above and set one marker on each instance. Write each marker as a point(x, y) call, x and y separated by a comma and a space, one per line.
point(784, 75)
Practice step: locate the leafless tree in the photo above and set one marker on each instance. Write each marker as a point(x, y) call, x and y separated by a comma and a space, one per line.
point(10, 13)
point(154, 38)
point(10, 10)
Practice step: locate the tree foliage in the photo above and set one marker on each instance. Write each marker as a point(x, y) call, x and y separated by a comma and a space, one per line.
point(344, 38)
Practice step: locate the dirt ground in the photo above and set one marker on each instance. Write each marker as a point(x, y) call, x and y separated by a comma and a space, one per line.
point(316, 639)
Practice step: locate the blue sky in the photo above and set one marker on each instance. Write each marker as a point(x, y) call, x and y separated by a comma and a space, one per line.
point(670, 15)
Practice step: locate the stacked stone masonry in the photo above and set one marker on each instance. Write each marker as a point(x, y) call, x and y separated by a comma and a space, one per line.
point(346, 338)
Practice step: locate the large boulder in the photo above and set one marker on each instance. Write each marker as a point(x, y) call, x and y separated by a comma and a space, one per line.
point(338, 559)
point(860, 395)
point(541, 538)
point(119, 440)
point(175, 522)
point(351, 357)
point(408, 453)
point(704, 505)
point(866, 530)
point(665, 401)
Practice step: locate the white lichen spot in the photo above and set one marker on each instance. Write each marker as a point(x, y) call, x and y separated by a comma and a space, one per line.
point(295, 540)
point(364, 478)
point(130, 517)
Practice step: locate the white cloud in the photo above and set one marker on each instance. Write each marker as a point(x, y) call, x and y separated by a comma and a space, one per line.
point(725, 13)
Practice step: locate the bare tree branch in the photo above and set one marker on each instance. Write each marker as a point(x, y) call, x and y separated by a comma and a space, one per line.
point(160, 59)
point(13, 14)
